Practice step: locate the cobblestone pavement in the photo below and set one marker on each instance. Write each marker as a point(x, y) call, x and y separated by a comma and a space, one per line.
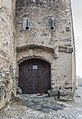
point(28, 107)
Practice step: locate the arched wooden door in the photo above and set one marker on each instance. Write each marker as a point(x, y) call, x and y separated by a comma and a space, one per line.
point(34, 76)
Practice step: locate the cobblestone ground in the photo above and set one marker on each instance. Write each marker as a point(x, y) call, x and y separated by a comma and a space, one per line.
point(43, 108)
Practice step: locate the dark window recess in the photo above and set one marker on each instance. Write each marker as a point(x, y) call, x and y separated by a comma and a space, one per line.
point(26, 24)
point(51, 23)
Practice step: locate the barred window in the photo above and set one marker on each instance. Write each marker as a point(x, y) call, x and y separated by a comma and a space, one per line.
point(26, 24)
point(51, 23)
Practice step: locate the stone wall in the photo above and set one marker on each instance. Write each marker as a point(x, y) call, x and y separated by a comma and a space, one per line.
point(7, 60)
point(56, 46)
point(60, 39)
point(40, 33)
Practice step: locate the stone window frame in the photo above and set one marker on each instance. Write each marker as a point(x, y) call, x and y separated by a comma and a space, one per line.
point(51, 23)
point(26, 24)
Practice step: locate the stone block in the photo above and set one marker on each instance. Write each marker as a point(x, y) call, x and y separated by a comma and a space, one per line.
point(53, 93)
point(19, 90)
point(2, 94)
point(66, 95)
point(69, 49)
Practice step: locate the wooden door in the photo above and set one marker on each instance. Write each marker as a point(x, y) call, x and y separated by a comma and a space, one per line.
point(34, 76)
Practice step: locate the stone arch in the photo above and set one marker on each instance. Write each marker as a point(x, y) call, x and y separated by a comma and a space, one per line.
point(35, 51)
point(42, 53)
point(32, 57)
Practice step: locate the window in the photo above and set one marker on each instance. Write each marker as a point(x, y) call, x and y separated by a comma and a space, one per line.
point(51, 23)
point(26, 24)
point(34, 67)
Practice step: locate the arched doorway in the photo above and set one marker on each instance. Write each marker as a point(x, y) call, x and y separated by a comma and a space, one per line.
point(34, 76)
